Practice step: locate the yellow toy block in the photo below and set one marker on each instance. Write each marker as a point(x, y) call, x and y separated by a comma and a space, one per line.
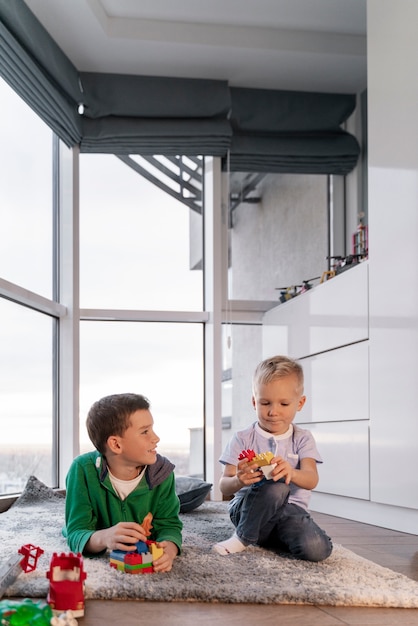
point(263, 459)
point(156, 551)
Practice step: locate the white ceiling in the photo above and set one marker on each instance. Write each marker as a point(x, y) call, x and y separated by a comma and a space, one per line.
point(304, 45)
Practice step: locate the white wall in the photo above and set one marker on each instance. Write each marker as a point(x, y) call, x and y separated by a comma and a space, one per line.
point(393, 219)
point(358, 333)
point(267, 238)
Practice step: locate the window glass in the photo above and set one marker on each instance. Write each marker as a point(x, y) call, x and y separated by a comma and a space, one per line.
point(25, 195)
point(140, 248)
point(162, 361)
point(26, 396)
point(241, 351)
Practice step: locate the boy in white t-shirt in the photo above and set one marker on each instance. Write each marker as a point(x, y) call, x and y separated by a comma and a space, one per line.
point(272, 512)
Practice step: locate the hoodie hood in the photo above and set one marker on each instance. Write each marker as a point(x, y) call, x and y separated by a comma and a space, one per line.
point(155, 474)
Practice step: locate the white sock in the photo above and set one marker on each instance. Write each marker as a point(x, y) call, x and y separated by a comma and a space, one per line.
point(230, 546)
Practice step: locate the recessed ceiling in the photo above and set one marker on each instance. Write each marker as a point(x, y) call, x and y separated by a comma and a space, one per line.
point(303, 45)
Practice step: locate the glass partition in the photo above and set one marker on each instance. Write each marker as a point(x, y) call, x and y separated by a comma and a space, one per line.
point(140, 248)
point(25, 195)
point(162, 361)
point(26, 397)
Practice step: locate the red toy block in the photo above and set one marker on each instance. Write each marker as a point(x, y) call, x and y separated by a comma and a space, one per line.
point(31, 555)
point(66, 583)
point(246, 454)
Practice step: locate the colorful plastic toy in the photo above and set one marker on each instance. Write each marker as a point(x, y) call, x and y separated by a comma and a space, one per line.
point(140, 560)
point(31, 555)
point(24, 612)
point(29, 613)
point(15, 565)
point(65, 619)
point(286, 293)
point(66, 584)
point(263, 460)
point(246, 454)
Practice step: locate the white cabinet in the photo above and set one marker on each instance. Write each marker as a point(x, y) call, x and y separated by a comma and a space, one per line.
point(344, 448)
point(332, 314)
point(337, 385)
point(327, 328)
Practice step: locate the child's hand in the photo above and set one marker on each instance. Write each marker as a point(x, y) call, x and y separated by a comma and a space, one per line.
point(165, 562)
point(283, 469)
point(123, 536)
point(248, 473)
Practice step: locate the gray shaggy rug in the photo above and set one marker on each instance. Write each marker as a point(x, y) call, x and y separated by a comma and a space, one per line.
point(253, 576)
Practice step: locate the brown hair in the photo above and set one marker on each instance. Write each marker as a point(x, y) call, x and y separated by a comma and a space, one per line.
point(111, 416)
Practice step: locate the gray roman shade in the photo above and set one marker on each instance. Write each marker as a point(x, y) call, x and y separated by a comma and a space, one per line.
point(291, 131)
point(36, 68)
point(153, 115)
point(252, 129)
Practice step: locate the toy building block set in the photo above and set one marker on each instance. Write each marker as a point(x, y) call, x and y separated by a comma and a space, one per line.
point(66, 583)
point(65, 600)
point(26, 612)
point(66, 575)
point(263, 460)
point(140, 560)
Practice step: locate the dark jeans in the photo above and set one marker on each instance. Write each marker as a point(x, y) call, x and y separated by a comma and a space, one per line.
point(263, 516)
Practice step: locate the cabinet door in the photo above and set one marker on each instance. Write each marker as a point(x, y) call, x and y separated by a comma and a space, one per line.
point(337, 385)
point(332, 314)
point(344, 448)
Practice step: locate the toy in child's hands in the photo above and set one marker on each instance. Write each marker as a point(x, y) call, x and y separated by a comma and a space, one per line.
point(147, 524)
point(140, 560)
point(246, 454)
point(263, 460)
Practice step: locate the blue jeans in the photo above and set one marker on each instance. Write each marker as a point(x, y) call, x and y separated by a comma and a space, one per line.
point(263, 516)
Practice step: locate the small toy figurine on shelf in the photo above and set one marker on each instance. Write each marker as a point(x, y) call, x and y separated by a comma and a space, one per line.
point(360, 239)
point(287, 293)
point(16, 564)
point(66, 584)
point(263, 460)
point(140, 560)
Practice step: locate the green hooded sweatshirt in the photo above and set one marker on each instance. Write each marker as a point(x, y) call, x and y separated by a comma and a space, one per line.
point(92, 503)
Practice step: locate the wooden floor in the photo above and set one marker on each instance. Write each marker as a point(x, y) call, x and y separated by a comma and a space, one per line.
point(396, 550)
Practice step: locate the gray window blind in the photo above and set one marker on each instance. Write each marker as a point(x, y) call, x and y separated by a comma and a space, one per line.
point(262, 130)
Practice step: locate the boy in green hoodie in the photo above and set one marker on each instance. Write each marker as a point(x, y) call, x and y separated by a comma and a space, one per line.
point(111, 490)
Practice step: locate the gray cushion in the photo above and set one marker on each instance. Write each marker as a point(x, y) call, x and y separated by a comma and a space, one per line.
point(192, 492)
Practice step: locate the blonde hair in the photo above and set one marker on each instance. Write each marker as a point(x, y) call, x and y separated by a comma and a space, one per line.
point(277, 367)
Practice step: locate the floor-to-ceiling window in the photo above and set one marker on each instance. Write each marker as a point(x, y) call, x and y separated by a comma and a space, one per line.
point(141, 300)
point(141, 259)
point(27, 328)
